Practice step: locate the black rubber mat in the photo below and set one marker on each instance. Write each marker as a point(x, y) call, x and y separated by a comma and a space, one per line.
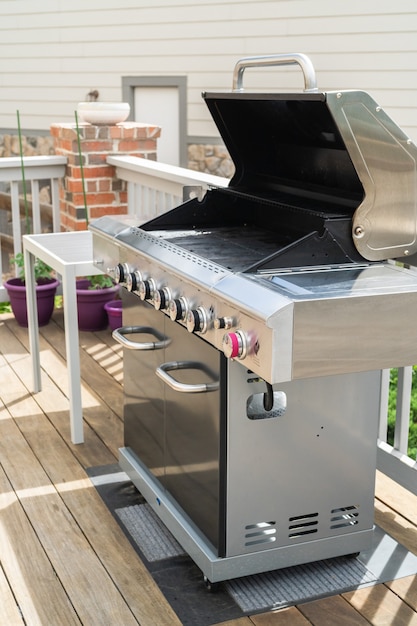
point(182, 582)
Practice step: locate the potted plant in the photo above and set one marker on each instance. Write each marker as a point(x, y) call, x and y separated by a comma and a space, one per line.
point(114, 313)
point(46, 286)
point(93, 292)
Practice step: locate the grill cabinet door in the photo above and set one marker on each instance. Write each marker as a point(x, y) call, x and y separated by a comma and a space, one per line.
point(192, 454)
point(176, 434)
point(144, 429)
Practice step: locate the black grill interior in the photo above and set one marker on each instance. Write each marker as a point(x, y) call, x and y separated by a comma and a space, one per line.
point(293, 195)
point(247, 233)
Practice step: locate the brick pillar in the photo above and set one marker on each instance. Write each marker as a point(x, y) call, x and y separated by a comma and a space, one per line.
point(105, 194)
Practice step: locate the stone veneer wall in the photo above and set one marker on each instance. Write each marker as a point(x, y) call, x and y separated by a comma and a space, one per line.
point(211, 159)
point(32, 145)
point(105, 193)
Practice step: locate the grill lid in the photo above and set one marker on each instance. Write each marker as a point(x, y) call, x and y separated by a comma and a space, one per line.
point(286, 143)
point(335, 149)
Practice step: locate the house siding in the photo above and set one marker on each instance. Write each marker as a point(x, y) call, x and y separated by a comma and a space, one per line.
point(53, 54)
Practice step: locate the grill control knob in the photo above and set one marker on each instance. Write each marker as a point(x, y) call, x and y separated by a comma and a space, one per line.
point(197, 320)
point(161, 298)
point(120, 273)
point(178, 309)
point(235, 345)
point(133, 280)
point(146, 289)
point(223, 322)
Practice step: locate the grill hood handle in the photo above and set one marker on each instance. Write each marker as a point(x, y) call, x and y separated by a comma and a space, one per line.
point(310, 83)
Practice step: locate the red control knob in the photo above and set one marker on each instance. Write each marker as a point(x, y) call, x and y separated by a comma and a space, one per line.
point(235, 345)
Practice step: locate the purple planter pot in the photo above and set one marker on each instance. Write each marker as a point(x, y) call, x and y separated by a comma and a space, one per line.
point(45, 294)
point(114, 313)
point(90, 303)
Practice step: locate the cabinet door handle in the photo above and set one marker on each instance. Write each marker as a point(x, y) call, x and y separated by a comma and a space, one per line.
point(162, 372)
point(119, 335)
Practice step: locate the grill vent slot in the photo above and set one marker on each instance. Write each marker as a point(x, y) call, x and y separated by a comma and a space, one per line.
point(301, 525)
point(261, 532)
point(344, 517)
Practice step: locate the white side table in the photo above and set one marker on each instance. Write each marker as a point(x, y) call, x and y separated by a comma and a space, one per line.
point(70, 255)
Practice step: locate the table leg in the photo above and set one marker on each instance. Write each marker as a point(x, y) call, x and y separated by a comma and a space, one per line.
point(73, 355)
point(33, 326)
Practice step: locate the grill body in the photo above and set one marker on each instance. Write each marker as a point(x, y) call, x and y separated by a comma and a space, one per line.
point(257, 320)
point(243, 489)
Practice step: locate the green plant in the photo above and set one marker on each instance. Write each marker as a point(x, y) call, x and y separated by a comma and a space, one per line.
point(41, 269)
point(5, 307)
point(100, 281)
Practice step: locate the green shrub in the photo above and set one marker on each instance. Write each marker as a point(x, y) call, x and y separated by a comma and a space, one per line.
point(392, 407)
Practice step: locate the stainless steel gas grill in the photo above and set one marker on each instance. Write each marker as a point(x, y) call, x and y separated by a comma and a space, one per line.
point(256, 321)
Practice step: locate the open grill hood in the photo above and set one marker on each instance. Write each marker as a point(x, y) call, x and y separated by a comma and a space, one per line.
point(291, 256)
point(330, 170)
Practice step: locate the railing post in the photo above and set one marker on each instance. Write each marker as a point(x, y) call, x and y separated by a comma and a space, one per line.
point(383, 404)
point(16, 227)
point(402, 420)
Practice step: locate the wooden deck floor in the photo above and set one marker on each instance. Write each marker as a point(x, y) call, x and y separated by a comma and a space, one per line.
point(63, 558)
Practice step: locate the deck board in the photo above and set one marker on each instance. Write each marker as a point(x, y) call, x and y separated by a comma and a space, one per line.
point(74, 565)
point(39, 593)
point(9, 608)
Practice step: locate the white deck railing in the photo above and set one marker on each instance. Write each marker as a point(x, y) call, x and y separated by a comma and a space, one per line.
point(36, 169)
point(154, 188)
point(393, 460)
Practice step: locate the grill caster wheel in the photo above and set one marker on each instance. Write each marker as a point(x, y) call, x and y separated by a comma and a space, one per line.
point(212, 587)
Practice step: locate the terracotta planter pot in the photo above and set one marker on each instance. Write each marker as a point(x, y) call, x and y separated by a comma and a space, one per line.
point(45, 295)
point(90, 302)
point(114, 313)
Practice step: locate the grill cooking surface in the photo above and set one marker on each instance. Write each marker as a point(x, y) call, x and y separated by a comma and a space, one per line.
point(234, 248)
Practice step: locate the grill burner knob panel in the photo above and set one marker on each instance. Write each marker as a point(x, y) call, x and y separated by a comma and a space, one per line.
point(146, 289)
point(161, 298)
point(133, 280)
point(178, 309)
point(235, 345)
point(197, 320)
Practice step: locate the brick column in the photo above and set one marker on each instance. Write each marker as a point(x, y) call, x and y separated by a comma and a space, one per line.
point(105, 194)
